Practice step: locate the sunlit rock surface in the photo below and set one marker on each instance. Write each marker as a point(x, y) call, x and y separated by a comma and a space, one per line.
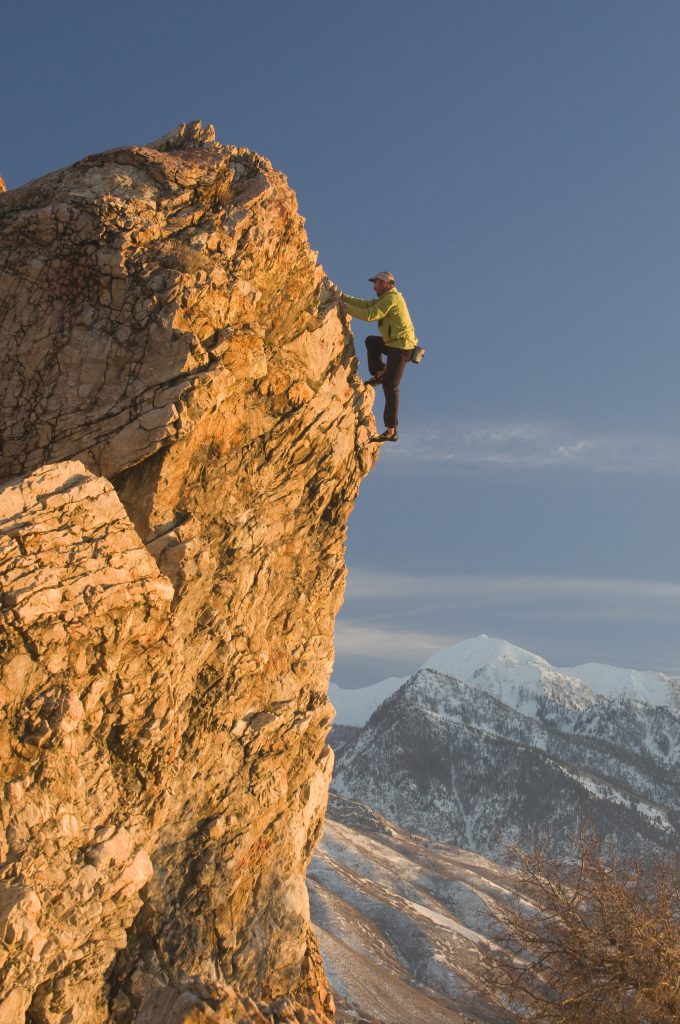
point(183, 436)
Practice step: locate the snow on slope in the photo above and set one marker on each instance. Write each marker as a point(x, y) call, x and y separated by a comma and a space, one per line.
point(402, 922)
point(355, 707)
point(616, 683)
point(512, 675)
point(519, 679)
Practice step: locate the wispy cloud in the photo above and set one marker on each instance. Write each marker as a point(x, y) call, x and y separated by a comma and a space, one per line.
point(592, 597)
point(378, 642)
point(392, 622)
point(542, 445)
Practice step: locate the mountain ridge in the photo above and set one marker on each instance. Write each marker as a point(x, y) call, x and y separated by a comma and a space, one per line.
point(451, 759)
point(489, 664)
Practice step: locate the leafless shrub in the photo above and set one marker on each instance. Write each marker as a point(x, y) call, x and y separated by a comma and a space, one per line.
point(595, 941)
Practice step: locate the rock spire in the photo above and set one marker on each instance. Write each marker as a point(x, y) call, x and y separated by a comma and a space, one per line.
point(183, 437)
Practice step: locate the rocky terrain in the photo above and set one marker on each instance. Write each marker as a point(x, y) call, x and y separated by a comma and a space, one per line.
point(489, 744)
point(183, 436)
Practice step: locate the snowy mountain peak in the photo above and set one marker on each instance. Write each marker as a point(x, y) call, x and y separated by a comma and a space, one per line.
point(510, 674)
point(520, 749)
point(519, 678)
point(467, 657)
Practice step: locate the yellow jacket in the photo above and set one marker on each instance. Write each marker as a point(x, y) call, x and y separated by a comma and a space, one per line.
point(392, 314)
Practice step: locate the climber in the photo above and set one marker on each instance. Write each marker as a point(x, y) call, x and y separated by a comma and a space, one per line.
point(396, 341)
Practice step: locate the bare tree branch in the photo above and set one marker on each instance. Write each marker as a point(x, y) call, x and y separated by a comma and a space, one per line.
point(595, 941)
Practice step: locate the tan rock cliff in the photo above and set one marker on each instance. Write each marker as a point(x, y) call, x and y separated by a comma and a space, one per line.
point(183, 437)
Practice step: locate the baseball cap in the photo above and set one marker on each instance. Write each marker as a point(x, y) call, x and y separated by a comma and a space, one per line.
point(384, 275)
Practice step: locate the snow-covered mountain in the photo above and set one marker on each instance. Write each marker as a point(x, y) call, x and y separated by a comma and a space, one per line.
point(402, 922)
point(488, 744)
point(518, 678)
point(355, 707)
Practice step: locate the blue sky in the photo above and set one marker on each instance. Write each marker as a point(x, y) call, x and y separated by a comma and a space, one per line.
point(515, 164)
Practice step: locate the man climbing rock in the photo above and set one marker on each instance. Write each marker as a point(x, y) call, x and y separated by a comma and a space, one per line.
point(396, 342)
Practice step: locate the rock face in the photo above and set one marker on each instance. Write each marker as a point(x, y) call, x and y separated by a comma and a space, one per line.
point(183, 438)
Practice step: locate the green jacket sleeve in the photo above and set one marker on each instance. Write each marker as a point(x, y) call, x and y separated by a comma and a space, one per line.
point(368, 309)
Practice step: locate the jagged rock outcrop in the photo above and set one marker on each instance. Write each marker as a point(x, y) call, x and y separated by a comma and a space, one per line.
point(195, 1002)
point(183, 437)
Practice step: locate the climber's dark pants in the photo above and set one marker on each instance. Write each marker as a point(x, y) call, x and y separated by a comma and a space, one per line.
point(389, 374)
